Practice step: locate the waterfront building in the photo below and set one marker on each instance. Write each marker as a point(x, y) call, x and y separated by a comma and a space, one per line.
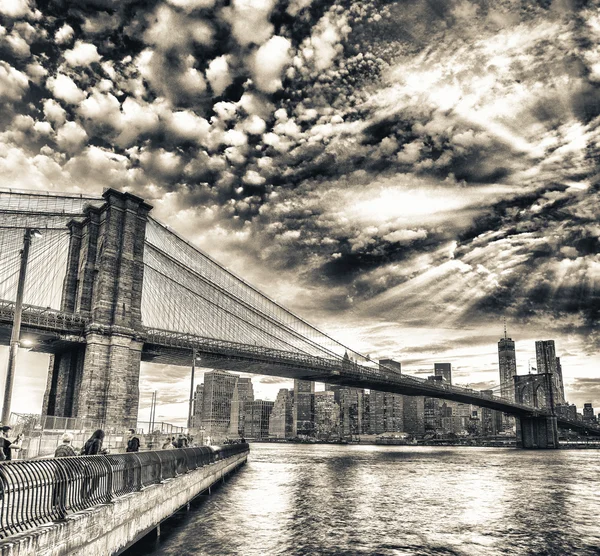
point(432, 409)
point(390, 365)
point(304, 408)
point(216, 403)
point(566, 411)
point(351, 403)
point(258, 413)
point(327, 416)
point(444, 370)
point(243, 393)
point(281, 422)
point(491, 420)
point(197, 412)
point(386, 412)
point(414, 415)
point(588, 413)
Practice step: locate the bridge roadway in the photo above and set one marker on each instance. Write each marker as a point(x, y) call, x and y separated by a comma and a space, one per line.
point(52, 331)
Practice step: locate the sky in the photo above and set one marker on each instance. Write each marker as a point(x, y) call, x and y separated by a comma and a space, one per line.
point(404, 175)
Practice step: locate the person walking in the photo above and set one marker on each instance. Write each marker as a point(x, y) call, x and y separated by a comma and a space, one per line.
point(63, 475)
point(65, 449)
point(133, 442)
point(92, 447)
point(168, 444)
point(94, 444)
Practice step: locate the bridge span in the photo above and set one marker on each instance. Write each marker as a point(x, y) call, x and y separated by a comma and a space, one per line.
point(108, 287)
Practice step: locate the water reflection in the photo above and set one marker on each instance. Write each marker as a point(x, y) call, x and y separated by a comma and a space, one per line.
point(338, 500)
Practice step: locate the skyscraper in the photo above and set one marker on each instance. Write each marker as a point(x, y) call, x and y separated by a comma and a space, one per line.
point(197, 416)
point(243, 393)
point(304, 408)
point(508, 367)
point(327, 415)
point(216, 403)
point(588, 413)
point(444, 370)
point(281, 423)
point(258, 413)
point(414, 415)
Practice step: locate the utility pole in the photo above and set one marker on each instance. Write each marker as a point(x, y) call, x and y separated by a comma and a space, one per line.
point(152, 411)
point(191, 409)
point(16, 329)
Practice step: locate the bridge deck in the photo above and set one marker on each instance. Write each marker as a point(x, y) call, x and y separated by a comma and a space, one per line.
point(54, 329)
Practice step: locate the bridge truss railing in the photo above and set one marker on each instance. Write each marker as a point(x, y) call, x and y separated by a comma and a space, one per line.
point(44, 318)
point(33, 493)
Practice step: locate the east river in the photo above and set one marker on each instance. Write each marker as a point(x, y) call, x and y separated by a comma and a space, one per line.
point(293, 499)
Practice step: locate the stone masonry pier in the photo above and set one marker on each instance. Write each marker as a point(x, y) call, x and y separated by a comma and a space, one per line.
point(109, 529)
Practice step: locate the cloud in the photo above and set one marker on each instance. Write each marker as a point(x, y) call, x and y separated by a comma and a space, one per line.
point(13, 83)
point(64, 88)
point(82, 54)
point(269, 62)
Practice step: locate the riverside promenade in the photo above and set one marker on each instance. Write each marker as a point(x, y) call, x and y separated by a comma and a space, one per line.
point(101, 505)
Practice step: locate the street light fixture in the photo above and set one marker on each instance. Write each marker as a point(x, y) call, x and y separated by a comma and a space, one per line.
point(16, 329)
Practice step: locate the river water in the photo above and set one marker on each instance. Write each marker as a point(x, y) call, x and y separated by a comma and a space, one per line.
point(293, 499)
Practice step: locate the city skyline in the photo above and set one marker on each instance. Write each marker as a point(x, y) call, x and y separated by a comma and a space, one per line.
point(401, 176)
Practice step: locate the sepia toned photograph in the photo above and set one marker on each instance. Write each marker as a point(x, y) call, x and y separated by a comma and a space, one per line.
point(300, 277)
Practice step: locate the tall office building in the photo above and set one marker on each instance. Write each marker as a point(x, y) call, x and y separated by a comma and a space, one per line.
point(588, 413)
point(243, 393)
point(258, 414)
point(432, 408)
point(547, 362)
point(414, 415)
point(281, 423)
point(444, 370)
point(390, 365)
point(197, 414)
point(386, 412)
point(327, 416)
point(351, 402)
point(216, 403)
point(304, 408)
point(507, 361)
point(491, 420)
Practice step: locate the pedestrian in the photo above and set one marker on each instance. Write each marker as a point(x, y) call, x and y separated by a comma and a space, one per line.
point(63, 474)
point(94, 444)
point(133, 442)
point(8, 445)
point(182, 441)
point(92, 447)
point(65, 449)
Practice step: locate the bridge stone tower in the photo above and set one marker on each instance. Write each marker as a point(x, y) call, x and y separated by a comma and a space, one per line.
point(99, 379)
point(536, 390)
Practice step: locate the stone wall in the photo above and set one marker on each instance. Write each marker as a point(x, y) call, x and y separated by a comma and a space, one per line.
point(111, 528)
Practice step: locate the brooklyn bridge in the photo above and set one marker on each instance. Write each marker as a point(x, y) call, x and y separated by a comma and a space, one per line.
point(106, 286)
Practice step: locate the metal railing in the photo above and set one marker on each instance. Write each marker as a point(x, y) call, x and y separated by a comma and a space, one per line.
point(36, 492)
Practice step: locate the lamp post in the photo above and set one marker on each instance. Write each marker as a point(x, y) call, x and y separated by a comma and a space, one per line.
point(16, 329)
point(191, 408)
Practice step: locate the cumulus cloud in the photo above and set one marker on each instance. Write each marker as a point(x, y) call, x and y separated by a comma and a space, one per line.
point(269, 62)
point(82, 54)
point(13, 83)
point(64, 88)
